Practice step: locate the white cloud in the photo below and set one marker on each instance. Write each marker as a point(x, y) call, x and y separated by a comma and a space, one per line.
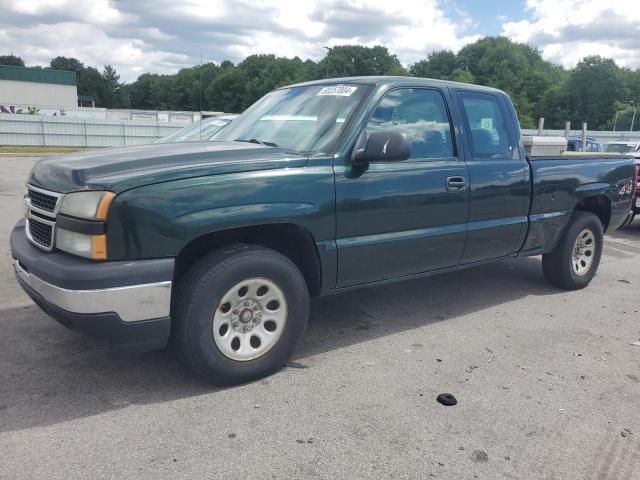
point(90, 45)
point(569, 30)
point(94, 11)
point(164, 35)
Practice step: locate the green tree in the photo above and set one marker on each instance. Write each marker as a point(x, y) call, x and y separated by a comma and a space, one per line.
point(11, 60)
point(441, 65)
point(227, 92)
point(93, 84)
point(110, 75)
point(264, 73)
point(516, 68)
point(591, 91)
point(66, 63)
point(356, 61)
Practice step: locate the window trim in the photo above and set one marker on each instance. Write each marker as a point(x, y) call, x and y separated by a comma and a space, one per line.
point(454, 145)
point(513, 143)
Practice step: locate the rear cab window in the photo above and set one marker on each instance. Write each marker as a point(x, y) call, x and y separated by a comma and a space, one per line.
point(488, 126)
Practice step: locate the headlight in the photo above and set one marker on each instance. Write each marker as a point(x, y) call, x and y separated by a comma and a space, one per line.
point(87, 205)
point(89, 246)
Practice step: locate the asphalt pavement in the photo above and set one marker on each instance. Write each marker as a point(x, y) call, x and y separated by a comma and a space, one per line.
point(547, 383)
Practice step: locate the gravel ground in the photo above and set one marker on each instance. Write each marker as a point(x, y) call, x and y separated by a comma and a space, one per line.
point(547, 382)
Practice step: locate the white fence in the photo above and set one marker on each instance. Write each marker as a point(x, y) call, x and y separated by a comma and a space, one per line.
point(39, 130)
point(599, 135)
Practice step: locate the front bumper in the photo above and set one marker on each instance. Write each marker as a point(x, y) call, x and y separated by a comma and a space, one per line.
point(126, 302)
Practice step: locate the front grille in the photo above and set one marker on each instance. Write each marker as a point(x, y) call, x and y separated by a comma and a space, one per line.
point(42, 208)
point(42, 200)
point(41, 233)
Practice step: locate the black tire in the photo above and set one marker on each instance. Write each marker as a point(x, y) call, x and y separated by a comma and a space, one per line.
point(197, 299)
point(558, 265)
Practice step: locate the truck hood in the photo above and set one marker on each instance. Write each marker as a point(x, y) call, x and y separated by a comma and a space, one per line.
point(119, 169)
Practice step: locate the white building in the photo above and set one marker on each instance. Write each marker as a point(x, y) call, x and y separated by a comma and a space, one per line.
point(24, 88)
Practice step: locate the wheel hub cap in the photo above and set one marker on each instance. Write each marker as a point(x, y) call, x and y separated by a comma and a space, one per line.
point(583, 252)
point(246, 315)
point(249, 319)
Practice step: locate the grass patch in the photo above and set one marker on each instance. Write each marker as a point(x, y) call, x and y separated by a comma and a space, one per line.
point(38, 150)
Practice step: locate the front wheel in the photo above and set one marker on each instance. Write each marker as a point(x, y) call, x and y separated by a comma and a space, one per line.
point(574, 262)
point(240, 312)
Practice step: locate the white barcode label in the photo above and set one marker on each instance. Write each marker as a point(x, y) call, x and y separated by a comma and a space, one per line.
point(337, 91)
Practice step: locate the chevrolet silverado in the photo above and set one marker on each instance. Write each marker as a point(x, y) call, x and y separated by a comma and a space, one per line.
point(317, 188)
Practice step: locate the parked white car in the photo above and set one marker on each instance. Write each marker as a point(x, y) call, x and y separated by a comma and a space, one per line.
point(201, 130)
point(630, 148)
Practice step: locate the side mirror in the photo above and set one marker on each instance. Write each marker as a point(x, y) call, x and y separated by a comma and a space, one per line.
point(384, 146)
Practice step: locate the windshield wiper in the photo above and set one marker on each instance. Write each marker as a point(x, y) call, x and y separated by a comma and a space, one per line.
point(255, 140)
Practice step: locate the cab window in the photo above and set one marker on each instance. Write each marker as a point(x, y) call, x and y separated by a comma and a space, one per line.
point(488, 127)
point(422, 115)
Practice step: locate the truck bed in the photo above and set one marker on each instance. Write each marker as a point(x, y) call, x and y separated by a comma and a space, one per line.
point(558, 183)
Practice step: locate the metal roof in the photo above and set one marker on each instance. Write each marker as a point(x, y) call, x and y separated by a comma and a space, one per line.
point(37, 75)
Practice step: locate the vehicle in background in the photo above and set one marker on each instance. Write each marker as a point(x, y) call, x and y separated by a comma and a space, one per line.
point(574, 144)
point(199, 131)
point(629, 148)
point(636, 200)
point(317, 188)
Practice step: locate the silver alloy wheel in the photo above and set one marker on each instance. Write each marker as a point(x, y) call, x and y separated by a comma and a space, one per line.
point(249, 319)
point(584, 249)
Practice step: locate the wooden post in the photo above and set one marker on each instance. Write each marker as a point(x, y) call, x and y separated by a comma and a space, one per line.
point(567, 129)
point(584, 136)
point(44, 141)
point(540, 125)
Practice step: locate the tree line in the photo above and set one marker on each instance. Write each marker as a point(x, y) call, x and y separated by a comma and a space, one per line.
point(596, 90)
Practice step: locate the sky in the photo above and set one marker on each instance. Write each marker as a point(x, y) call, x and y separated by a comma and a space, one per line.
point(162, 36)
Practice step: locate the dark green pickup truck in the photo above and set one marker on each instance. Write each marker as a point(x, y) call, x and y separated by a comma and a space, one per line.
point(317, 188)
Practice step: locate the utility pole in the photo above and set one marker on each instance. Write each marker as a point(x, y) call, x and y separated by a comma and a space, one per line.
point(327, 58)
point(633, 118)
point(200, 99)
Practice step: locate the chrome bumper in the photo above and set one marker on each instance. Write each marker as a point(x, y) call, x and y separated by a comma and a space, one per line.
point(131, 303)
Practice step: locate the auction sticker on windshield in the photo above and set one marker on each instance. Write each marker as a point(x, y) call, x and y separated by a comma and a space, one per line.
point(337, 91)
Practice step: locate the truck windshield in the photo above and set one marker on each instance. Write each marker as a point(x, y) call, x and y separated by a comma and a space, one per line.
point(307, 119)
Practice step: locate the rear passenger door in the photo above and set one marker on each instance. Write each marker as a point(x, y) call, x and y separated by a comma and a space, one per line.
point(498, 177)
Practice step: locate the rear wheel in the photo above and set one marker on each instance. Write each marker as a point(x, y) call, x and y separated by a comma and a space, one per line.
point(240, 312)
point(574, 262)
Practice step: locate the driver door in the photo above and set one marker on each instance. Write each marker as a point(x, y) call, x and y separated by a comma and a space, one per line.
point(404, 217)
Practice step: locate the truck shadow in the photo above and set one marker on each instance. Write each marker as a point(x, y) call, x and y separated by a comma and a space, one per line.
point(51, 375)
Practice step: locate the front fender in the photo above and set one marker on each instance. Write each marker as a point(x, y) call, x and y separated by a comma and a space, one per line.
point(158, 220)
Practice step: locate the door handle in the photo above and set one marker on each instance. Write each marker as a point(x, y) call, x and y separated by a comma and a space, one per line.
point(456, 184)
